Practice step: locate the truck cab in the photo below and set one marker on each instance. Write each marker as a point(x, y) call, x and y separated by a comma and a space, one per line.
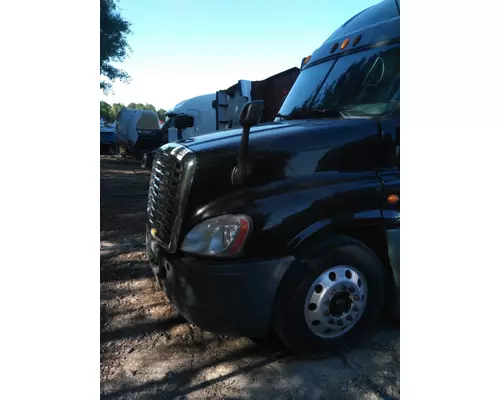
point(291, 226)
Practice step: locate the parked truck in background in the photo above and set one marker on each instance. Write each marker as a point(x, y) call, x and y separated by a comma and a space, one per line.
point(201, 116)
point(292, 226)
point(137, 131)
point(221, 110)
point(108, 137)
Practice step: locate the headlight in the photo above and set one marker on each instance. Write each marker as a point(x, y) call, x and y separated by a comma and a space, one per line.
point(222, 236)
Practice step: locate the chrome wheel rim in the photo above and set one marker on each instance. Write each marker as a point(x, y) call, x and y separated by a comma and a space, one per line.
point(336, 301)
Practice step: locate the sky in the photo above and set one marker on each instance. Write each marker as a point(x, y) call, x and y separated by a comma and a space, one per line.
point(182, 49)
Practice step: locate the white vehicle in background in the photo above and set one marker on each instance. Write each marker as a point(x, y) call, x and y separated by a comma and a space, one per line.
point(202, 116)
point(221, 110)
point(137, 131)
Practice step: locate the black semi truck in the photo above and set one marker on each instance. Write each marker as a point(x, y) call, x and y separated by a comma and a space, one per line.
point(292, 226)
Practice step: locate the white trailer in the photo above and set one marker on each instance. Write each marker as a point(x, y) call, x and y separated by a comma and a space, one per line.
point(133, 126)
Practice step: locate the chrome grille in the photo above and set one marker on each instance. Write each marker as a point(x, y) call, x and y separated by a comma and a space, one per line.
point(171, 179)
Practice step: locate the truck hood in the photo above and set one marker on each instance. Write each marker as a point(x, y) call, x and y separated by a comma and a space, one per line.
point(284, 137)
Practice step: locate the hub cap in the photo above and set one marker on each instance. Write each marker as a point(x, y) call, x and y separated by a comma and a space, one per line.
point(335, 301)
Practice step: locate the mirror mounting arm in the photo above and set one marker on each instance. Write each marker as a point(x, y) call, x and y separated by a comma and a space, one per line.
point(250, 115)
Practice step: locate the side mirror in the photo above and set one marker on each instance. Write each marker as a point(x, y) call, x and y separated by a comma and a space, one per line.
point(251, 113)
point(184, 121)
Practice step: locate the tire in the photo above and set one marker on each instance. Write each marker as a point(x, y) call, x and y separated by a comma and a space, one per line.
point(340, 330)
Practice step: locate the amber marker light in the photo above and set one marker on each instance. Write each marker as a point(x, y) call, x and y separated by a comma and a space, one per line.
point(393, 198)
point(344, 43)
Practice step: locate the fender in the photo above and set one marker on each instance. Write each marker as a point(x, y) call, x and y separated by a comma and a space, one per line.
point(288, 212)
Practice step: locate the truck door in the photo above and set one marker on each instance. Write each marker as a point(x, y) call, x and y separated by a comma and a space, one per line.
point(388, 170)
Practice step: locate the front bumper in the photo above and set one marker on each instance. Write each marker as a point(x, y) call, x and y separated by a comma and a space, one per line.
point(229, 298)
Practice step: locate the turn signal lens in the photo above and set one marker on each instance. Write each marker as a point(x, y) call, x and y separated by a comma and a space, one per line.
point(393, 198)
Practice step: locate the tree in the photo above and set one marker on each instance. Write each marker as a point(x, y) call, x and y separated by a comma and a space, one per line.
point(115, 110)
point(106, 111)
point(140, 106)
point(161, 114)
point(114, 45)
point(149, 107)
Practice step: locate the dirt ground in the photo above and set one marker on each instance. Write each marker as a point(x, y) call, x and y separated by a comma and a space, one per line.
point(148, 351)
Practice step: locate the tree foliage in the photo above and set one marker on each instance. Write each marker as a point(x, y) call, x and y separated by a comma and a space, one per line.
point(105, 111)
point(114, 45)
point(115, 110)
point(140, 106)
point(161, 114)
point(110, 112)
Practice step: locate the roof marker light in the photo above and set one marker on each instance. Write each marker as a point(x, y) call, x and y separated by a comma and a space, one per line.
point(356, 41)
point(344, 43)
point(334, 47)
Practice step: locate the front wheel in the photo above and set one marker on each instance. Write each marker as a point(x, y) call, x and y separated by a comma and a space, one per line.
point(334, 303)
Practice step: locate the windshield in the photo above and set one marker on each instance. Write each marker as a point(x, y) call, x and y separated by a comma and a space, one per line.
point(360, 84)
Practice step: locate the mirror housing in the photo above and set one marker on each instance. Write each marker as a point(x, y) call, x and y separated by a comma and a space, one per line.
point(184, 121)
point(251, 113)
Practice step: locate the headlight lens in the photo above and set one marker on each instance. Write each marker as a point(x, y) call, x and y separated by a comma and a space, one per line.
point(222, 236)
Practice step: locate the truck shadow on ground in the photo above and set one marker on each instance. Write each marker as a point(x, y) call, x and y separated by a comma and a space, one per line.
point(178, 384)
point(124, 271)
point(271, 372)
point(142, 329)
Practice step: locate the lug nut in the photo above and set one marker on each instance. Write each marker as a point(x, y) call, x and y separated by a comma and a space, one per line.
point(356, 298)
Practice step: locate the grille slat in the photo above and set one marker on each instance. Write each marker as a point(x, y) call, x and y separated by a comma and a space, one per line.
point(171, 178)
point(163, 191)
point(167, 215)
